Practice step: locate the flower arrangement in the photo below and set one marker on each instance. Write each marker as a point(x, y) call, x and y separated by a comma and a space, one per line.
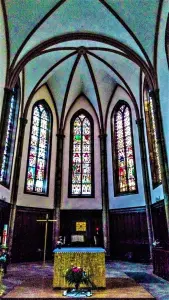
point(77, 275)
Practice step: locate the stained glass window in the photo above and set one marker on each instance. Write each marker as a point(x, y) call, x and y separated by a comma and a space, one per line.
point(39, 147)
point(81, 168)
point(152, 140)
point(125, 171)
point(8, 140)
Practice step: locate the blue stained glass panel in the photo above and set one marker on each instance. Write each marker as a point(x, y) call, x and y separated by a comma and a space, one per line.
point(8, 139)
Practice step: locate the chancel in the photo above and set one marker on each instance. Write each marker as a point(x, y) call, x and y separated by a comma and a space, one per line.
point(84, 131)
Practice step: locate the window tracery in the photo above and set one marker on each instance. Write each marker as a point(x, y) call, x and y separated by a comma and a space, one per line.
point(81, 165)
point(39, 150)
point(125, 170)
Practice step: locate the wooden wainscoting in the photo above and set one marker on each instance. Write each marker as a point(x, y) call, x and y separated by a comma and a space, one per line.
point(29, 234)
point(128, 234)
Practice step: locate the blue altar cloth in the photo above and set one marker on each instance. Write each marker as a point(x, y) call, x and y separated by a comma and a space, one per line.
point(80, 249)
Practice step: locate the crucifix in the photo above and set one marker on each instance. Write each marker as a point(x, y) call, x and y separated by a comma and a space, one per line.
point(46, 233)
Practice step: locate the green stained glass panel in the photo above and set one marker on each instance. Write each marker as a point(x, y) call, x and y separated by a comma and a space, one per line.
point(81, 160)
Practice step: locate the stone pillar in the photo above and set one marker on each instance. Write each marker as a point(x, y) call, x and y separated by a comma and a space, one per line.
point(105, 198)
point(15, 180)
point(162, 152)
point(147, 193)
point(58, 186)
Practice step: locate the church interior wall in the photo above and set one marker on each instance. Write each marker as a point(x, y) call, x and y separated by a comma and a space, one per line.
point(127, 214)
point(126, 200)
point(163, 74)
point(81, 203)
point(3, 57)
point(25, 199)
point(4, 192)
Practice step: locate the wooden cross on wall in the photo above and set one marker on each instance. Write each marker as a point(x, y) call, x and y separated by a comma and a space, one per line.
point(46, 233)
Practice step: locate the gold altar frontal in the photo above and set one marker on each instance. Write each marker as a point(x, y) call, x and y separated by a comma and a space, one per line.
point(92, 260)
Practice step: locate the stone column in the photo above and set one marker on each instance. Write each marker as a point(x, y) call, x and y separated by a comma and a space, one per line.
point(162, 152)
point(105, 198)
point(146, 181)
point(15, 180)
point(58, 186)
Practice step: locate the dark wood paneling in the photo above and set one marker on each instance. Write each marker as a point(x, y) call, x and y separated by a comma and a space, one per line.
point(92, 218)
point(128, 234)
point(159, 222)
point(29, 235)
point(161, 263)
point(4, 214)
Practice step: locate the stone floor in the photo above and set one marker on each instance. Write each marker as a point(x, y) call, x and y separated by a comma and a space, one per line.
point(125, 280)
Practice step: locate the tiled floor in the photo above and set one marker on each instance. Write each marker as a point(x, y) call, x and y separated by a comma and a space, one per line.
point(124, 280)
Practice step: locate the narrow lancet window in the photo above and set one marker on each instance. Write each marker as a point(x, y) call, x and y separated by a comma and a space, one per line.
point(9, 135)
point(125, 170)
point(81, 160)
point(39, 150)
point(152, 140)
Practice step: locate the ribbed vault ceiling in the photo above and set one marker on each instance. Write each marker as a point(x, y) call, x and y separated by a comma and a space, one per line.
point(72, 64)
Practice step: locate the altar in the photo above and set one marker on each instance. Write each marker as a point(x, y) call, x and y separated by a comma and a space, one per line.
point(92, 260)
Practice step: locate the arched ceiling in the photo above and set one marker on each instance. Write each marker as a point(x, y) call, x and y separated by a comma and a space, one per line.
point(81, 46)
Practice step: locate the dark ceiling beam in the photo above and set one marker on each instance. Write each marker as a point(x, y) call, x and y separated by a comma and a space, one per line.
point(68, 89)
point(76, 99)
point(58, 49)
point(113, 12)
point(43, 76)
point(114, 71)
point(157, 33)
point(141, 93)
point(54, 103)
point(108, 106)
point(96, 90)
point(35, 28)
point(23, 91)
point(7, 36)
point(107, 50)
point(150, 74)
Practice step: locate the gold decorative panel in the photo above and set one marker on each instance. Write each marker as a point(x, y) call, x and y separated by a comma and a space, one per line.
point(80, 226)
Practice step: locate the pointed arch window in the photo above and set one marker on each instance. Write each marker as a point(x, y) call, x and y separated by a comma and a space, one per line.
point(9, 135)
point(152, 139)
point(81, 175)
point(37, 175)
point(124, 160)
